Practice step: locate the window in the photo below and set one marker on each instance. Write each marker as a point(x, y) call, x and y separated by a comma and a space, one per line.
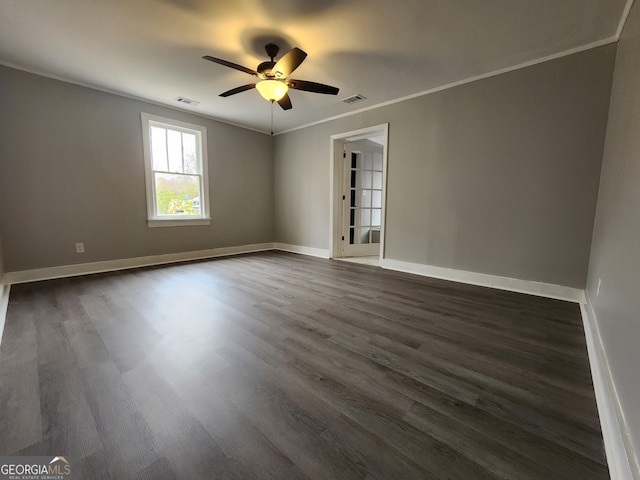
point(176, 175)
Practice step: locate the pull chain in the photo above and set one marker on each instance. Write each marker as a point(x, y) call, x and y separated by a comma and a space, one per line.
point(272, 117)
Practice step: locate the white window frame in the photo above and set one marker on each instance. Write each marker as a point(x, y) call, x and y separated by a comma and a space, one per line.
point(153, 219)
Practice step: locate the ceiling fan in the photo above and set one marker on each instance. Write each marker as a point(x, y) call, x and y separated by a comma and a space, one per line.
point(274, 82)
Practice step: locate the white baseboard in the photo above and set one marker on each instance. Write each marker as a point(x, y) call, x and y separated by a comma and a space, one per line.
point(615, 433)
point(314, 252)
point(24, 276)
point(126, 263)
point(539, 289)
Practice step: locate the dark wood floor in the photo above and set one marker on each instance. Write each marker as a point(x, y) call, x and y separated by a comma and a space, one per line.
point(280, 366)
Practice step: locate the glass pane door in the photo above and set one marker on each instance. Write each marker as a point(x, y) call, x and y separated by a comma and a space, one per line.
point(363, 176)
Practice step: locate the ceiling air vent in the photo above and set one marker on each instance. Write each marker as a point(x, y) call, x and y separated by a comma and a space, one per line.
point(354, 98)
point(186, 101)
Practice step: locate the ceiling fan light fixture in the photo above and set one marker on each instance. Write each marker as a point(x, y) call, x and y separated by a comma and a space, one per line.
point(272, 90)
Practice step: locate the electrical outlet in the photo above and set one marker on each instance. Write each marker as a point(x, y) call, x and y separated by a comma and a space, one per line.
point(598, 289)
point(80, 247)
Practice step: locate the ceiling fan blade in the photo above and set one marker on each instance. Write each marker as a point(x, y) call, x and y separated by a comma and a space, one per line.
point(285, 102)
point(312, 87)
point(288, 63)
point(231, 65)
point(233, 91)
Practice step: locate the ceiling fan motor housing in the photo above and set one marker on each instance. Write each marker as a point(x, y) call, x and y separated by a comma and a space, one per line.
point(265, 68)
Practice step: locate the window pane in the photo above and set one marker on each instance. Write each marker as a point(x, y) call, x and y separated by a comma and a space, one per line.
point(363, 235)
point(365, 217)
point(366, 179)
point(189, 153)
point(375, 235)
point(377, 199)
point(368, 161)
point(356, 160)
point(159, 148)
point(174, 145)
point(377, 161)
point(377, 179)
point(375, 217)
point(177, 194)
point(354, 217)
point(365, 196)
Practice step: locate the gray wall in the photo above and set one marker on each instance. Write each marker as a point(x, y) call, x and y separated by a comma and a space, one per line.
point(498, 176)
point(72, 170)
point(615, 255)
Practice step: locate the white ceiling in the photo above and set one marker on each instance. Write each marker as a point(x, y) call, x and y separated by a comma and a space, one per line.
point(382, 49)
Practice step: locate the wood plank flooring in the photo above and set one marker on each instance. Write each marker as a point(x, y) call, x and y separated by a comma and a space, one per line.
point(279, 366)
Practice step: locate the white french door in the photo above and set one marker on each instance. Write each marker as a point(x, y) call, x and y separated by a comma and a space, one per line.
point(361, 199)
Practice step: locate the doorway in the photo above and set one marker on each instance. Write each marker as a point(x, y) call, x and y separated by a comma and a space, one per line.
point(359, 169)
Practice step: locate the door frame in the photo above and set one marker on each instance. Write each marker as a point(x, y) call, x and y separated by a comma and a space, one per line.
point(336, 186)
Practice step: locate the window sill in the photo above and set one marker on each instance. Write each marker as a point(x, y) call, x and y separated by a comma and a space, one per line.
point(187, 222)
